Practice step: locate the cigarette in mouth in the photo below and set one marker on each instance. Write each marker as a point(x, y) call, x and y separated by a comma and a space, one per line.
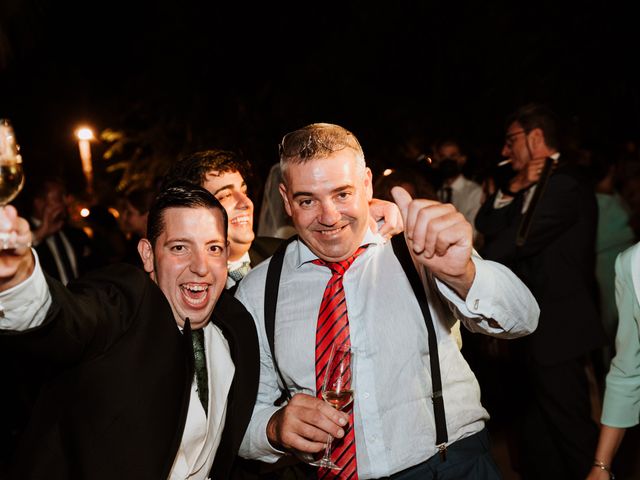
point(504, 162)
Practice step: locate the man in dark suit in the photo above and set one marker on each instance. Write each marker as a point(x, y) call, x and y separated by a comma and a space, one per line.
point(63, 250)
point(556, 261)
point(117, 394)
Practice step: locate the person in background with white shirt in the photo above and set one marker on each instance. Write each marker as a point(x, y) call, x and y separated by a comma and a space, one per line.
point(113, 357)
point(465, 194)
point(326, 189)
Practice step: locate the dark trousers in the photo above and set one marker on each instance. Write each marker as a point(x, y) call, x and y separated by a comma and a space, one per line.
point(467, 459)
point(558, 434)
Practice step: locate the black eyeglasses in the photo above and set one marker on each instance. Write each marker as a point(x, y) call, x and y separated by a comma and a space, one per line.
point(508, 139)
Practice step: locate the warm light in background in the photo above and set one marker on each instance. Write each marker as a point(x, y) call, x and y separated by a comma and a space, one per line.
point(387, 172)
point(114, 212)
point(84, 213)
point(84, 133)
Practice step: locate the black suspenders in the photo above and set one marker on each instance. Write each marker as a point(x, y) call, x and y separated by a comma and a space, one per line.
point(404, 257)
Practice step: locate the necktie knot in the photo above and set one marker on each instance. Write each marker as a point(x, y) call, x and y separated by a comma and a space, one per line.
point(238, 274)
point(339, 268)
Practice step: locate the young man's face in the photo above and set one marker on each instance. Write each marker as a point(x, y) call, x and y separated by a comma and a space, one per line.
point(328, 200)
point(189, 262)
point(231, 191)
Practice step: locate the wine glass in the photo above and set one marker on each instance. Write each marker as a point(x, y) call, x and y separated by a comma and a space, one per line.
point(337, 390)
point(11, 176)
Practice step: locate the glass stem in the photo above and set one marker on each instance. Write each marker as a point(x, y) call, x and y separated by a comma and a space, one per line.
point(327, 449)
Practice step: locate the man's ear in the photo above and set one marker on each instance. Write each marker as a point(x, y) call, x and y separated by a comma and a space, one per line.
point(537, 138)
point(283, 193)
point(368, 183)
point(146, 254)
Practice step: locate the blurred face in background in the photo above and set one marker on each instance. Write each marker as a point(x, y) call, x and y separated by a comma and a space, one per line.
point(54, 200)
point(133, 221)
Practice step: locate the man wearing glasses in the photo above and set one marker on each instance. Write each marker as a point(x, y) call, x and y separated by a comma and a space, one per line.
point(544, 230)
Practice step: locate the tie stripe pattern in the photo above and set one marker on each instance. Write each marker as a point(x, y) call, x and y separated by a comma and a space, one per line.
point(333, 328)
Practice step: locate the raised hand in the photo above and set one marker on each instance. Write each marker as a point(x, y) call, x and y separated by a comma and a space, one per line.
point(15, 264)
point(304, 423)
point(53, 218)
point(439, 238)
point(389, 213)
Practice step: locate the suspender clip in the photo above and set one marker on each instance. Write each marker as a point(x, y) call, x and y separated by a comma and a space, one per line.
point(442, 450)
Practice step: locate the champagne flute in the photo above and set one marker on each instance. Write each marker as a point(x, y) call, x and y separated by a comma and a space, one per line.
point(11, 176)
point(337, 391)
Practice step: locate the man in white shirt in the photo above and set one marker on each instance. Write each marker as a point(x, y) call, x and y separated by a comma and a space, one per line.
point(118, 397)
point(465, 194)
point(326, 190)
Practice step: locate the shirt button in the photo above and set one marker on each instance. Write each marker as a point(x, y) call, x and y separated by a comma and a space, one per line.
point(476, 303)
point(365, 394)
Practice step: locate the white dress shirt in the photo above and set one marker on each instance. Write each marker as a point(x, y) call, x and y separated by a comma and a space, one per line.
point(25, 306)
point(394, 420)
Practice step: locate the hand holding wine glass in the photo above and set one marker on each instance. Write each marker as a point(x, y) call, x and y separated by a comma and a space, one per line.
point(337, 390)
point(11, 179)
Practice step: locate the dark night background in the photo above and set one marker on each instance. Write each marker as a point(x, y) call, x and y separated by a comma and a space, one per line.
point(178, 76)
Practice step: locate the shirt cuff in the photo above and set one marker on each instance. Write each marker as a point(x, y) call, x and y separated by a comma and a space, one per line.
point(258, 443)
point(479, 304)
point(25, 305)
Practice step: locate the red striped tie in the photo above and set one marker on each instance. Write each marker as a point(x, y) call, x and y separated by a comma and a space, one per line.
point(333, 327)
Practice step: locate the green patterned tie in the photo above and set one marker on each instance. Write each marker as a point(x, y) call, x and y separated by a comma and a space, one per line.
point(239, 273)
point(200, 362)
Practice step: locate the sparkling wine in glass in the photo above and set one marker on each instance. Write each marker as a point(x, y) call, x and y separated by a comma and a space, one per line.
point(11, 174)
point(337, 390)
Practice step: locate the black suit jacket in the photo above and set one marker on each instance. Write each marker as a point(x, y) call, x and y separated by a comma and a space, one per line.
point(557, 263)
point(114, 375)
point(80, 244)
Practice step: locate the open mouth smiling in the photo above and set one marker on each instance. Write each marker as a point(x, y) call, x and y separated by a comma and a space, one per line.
point(194, 294)
point(241, 220)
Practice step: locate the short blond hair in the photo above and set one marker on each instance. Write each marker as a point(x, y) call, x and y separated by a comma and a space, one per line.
point(318, 140)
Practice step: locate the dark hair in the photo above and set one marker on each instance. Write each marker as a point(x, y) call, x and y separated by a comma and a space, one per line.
point(180, 194)
point(195, 167)
point(540, 116)
point(141, 199)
